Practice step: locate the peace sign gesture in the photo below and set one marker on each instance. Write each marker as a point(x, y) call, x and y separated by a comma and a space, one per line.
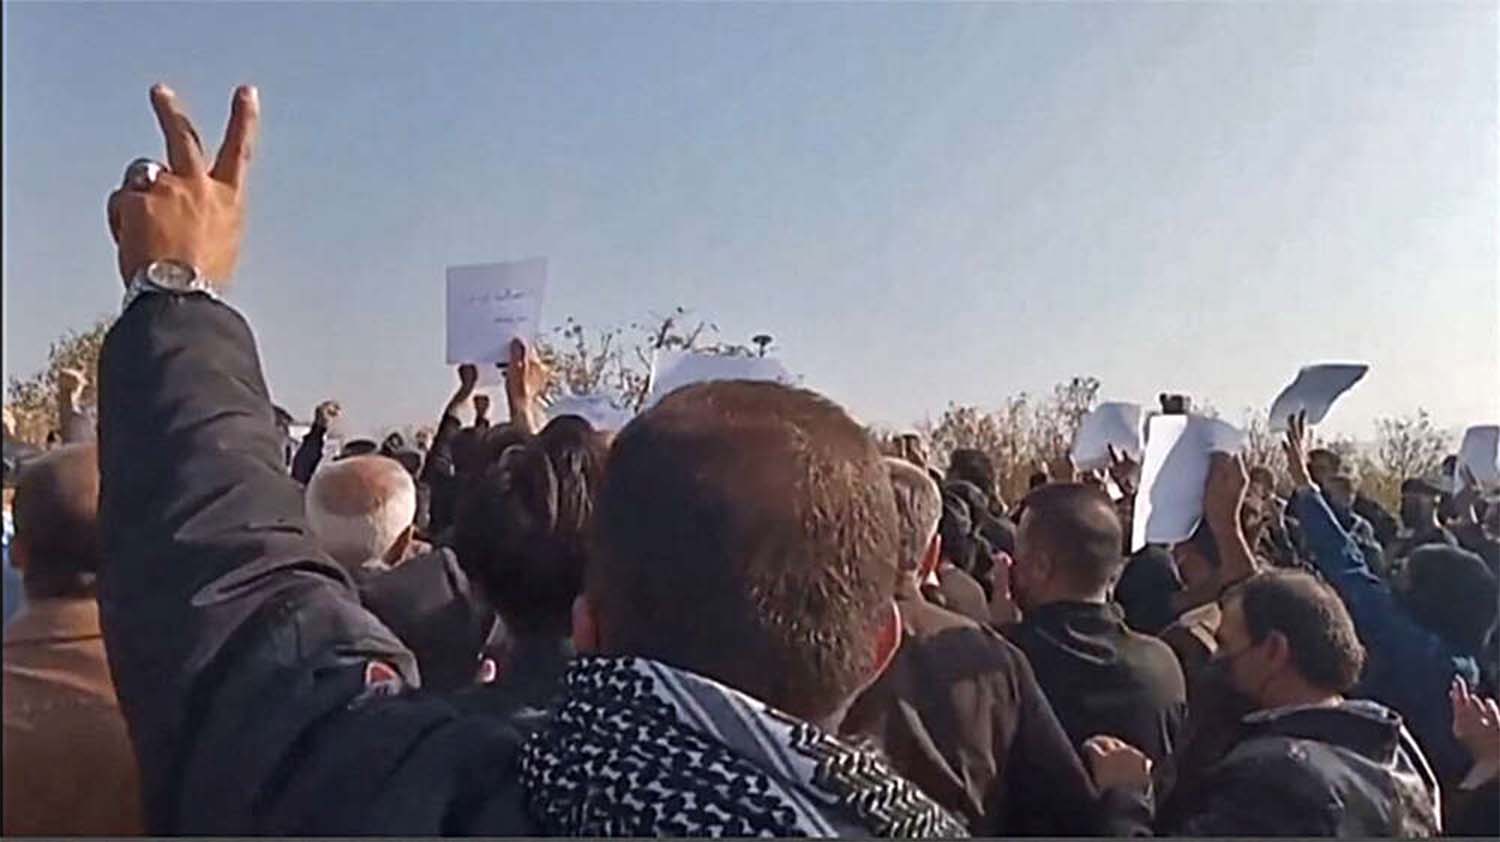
point(191, 213)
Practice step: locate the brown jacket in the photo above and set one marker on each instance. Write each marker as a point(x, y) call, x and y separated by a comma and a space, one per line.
point(69, 768)
point(960, 714)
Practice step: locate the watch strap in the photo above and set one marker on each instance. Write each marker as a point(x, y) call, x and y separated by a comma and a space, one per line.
point(142, 285)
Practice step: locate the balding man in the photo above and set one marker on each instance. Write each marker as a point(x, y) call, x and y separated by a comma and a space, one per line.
point(959, 711)
point(362, 511)
point(1101, 677)
point(69, 769)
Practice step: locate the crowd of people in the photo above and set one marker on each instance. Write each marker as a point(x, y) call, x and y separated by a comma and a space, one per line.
point(739, 615)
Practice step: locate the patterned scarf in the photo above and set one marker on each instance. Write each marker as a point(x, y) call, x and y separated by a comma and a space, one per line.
point(638, 748)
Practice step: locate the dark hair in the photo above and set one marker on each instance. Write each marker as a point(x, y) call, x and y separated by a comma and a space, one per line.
point(1076, 525)
point(358, 447)
point(747, 531)
point(1037, 480)
point(975, 467)
point(522, 527)
point(1312, 618)
point(1317, 454)
point(1452, 592)
point(57, 517)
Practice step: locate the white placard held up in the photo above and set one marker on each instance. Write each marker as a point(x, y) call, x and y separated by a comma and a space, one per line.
point(598, 410)
point(1480, 453)
point(489, 304)
point(1174, 470)
point(671, 370)
point(1110, 423)
point(1314, 390)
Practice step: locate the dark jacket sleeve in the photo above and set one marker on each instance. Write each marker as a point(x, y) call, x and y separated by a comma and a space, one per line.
point(309, 454)
point(1048, 790)
point(240, 652)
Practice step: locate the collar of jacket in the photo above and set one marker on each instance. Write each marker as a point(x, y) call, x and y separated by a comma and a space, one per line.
point(1368, 728)
point(54, 621)
point(1083, 618)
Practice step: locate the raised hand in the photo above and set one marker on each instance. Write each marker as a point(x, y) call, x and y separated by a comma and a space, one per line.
point(1476, 723)
point(1224, 492)
point(1125, 470)
point(1116, 764)
point(526, 380)
point(192, 213)
point(1003, 607)
point(71, 382)
point(1296, 450)
point(527, 376)
point(468, 378)
point(326, 413)
point(481, 407)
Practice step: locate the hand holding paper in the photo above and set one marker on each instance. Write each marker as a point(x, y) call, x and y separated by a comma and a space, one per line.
point(1109, 426)
point(1296, 451)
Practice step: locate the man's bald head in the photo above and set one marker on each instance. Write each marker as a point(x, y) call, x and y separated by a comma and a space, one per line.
point(1072, 530)
point(748, 532)
point(361, 508)
point(56, 509)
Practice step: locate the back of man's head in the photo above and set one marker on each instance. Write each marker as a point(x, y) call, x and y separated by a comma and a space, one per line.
point(1312, 618)
point(1452, 592)
point(361, 509)
point(56, 510)
point(973, 466)
point(748, 532)
point(1074, 526)
point(1322, 463)
point(919, 505)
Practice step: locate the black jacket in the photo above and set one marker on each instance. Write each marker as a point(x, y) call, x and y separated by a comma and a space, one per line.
point(249, 673)
point(1103, 678)
point(431, 606)
point(1350, 770)
point(959, 714)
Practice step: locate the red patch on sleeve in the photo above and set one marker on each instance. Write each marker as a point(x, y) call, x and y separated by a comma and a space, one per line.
point(382, 679)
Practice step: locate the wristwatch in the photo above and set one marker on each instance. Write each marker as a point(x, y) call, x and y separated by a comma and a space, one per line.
point(173, 277)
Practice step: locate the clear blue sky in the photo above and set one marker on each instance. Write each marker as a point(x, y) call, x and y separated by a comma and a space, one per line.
point(923, 203)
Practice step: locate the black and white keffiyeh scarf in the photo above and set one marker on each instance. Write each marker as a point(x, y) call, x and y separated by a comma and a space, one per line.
point(638, 748)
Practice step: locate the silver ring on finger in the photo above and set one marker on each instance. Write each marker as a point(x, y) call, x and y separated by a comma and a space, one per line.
point(142, 173)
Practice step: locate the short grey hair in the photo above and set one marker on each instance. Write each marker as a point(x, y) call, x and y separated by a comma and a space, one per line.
point(919, 506)
point(359, 507)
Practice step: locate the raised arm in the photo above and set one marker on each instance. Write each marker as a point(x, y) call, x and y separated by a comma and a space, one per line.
point(246, 668)
point(526, 378)
point(73, 420)
point(310, 451)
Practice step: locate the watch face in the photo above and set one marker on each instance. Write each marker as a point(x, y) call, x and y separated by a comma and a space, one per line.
point(171, 274)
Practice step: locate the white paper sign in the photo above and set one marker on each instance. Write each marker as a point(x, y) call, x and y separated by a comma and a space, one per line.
point(1174, 470)
point(489, 304)
point(598, 410)
point(671, 370)
point(1314, 390)
point(1480, 453)
point(1111, 423)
